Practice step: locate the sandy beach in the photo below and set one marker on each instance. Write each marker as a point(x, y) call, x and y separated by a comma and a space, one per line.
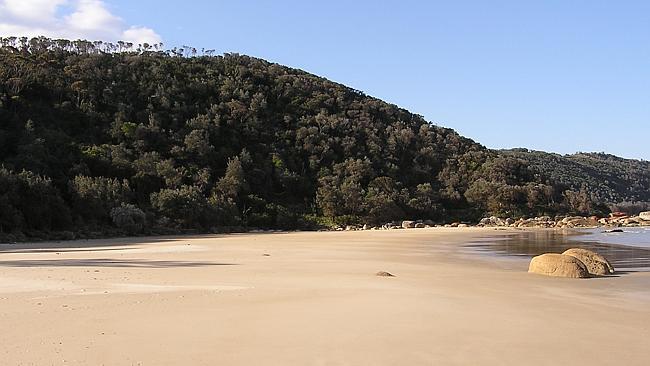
point(309, 299)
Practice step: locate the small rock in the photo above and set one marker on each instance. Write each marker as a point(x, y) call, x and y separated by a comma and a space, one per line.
point(384, 274)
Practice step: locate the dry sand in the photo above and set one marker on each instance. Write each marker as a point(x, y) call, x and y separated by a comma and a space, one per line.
point(309, 299)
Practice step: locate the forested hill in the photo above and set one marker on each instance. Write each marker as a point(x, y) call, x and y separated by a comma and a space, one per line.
point(609, 178)
point(94, 140)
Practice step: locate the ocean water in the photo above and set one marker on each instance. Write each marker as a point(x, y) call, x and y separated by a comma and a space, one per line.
point(634, 236)
point(629, 250)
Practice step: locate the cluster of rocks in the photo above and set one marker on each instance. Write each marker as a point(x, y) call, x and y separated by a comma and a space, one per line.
point(616, 219)
point(573, 263)
point(406, 224)
point(619, 219)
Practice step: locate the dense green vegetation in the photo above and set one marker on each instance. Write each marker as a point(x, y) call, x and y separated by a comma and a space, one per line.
point(100, 139)
point(609, 178)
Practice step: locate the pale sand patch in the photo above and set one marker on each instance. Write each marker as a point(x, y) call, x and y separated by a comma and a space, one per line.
point(183, 248)
point(10, 285)
point(309, 299)
point(144, 288)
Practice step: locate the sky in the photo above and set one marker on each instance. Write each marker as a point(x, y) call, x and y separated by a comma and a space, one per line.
point(555, 75)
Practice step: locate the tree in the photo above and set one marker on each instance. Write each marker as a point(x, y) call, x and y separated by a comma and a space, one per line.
point(30, 202)
point(186, 206)
point(384, 201)
point(129, 218)
point(232, 183)
point(95, 197)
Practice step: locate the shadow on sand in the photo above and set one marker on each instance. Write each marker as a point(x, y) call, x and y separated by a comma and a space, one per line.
point(105, 262)
point(97, 245)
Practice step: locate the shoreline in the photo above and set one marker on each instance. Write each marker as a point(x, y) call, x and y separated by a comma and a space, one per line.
point(309, 298)
point(542, 222)
point(180, 236)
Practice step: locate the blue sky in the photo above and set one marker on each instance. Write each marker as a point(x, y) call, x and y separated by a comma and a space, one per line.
point(561, 76)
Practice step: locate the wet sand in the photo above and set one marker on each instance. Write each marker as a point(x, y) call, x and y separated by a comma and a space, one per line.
point(309, 299)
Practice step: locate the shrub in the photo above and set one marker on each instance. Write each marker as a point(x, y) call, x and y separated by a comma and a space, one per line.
point(186, 206)
point(95, 197)
point(30, 202)
point(128, 217)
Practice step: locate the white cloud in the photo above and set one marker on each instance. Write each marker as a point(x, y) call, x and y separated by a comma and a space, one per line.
point(141, 35)
point(31, 10)
point(72, 19)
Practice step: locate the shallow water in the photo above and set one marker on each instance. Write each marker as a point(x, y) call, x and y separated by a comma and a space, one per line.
point(629, 250)
point(635, 237)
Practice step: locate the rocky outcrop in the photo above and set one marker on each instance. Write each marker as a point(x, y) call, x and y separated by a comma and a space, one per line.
point(596, 264)
point(615, 220)
point(619, 219)
point(559, 222)
point(558, 265)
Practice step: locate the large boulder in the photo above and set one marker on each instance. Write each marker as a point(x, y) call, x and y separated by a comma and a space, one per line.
point(408, 224)
point(527, 223)
point(558, 265)
point(492, 221)
point(576, 221)
point(596, 264)
point(645, 216)
point(485, 221)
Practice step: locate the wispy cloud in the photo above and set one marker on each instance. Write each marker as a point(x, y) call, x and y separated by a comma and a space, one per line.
point(72, 19)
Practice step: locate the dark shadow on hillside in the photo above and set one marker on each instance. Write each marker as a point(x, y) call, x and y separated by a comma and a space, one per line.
point(105, 262)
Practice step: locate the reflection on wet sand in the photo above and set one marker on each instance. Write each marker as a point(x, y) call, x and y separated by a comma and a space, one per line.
point(532, 243)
